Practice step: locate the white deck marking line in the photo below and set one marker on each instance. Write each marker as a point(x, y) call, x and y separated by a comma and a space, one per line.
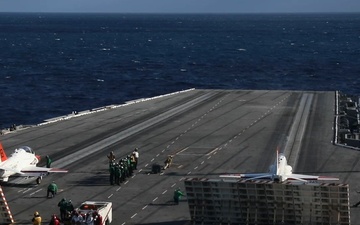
point(164, 192)
point(152, 159)
point(29, 189)
point(21, 190)
point(155, 199)
point(118, 189)
point(202, 162)
point(173, 185)
point(211, 151)
point(133, 215)
point(146, 165)
point(110, 195)
point(144, 207)
point(158, 155)
point(36, 192)
point(195, 168)
point(182, 150)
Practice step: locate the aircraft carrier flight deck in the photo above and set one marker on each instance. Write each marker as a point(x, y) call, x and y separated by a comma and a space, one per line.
point(209, 133)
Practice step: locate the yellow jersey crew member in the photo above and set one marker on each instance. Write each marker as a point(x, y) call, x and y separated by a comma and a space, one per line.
point(36, 219)
point(168, 162)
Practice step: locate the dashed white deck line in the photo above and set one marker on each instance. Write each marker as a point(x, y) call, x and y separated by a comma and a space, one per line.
point(195, 168)
point(155, 199)
point(202, 162)
point(173, 185)
point(144, 207)
point(133, 215)
point(118, 189)
point(164, 192)
point(110, 195)
point(158, 155)
point(146, 165)
point(152, 159)
point(211, 152)
point(189, 173)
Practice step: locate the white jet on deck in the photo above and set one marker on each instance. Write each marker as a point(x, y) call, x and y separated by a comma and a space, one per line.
point(23, 163)
point(280, 171)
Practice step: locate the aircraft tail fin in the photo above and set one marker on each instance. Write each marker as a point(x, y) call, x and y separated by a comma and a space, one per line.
point(277, 161)
point(2, 153)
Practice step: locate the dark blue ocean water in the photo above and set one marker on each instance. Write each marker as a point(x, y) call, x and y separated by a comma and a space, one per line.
point(53, 64)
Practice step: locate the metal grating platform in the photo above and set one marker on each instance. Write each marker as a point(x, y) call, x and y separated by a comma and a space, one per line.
point(216, 201)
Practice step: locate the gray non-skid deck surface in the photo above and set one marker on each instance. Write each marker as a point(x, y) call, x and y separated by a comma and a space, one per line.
point(210, 132)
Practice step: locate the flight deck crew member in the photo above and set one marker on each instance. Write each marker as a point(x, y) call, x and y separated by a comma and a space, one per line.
point(97, 218)
point(52, 189)
point(89, 219)
point(177, 195)
point(77, 218)
point(132, 162)
point(117, 174)
point(129, 165)
point(48, 162)
point(62, 205)
point(136, 154)
point(122, 170)
point(168, 162)
point(69, 206)
point(111, 157)
point(54, 220)
point(36, 220)
point(112, 173)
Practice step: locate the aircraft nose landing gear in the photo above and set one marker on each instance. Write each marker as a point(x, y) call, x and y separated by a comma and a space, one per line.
point(38, 180)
